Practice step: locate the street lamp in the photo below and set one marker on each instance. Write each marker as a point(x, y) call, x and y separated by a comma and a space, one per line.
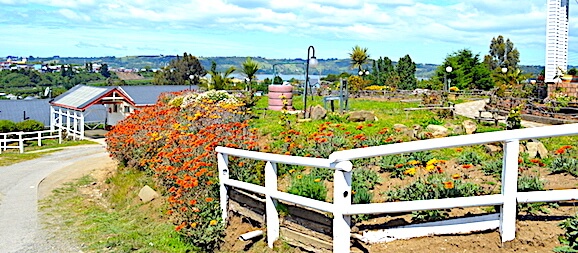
point(504, 70)
point(191, 77)
point(447, 82)
point(248, 83)
point(363, 72)
point(311, 60)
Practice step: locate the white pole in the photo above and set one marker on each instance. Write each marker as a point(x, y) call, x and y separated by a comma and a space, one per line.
point(222, 162)
point(271, 204)
point(509, 190)
point(341, 203)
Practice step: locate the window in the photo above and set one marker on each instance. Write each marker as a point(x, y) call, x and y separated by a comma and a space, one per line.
point(127, 109)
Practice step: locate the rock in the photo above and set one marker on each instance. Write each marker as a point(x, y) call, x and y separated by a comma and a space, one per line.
point(470, 126)
point(437, 131)
point(361, 116)
point(416, 130)
point(542, 151)
point(532, 149)
point(399, 128)
point(318, 112)
point(147, 194)
point(492, 149)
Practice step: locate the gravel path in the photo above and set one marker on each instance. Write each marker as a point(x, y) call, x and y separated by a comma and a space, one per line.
point(20, 229)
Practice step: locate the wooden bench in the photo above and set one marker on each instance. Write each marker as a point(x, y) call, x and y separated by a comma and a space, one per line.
point(489, 116)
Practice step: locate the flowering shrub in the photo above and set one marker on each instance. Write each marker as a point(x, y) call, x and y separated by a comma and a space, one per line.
point(175, 142)
point(309, 186)
point(564, 162)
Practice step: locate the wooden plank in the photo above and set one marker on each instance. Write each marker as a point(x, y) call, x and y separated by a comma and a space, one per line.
point(246, 212)
point(247, 200)
point(308, 214)
point(291, 221)
point(306, 242)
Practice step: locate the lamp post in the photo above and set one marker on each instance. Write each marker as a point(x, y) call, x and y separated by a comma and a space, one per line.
point(446, 80)
point(311, 60)
point(363, 72)
point(191, 77)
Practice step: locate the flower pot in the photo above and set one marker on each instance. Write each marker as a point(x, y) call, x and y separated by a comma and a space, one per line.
point(277, 95)
point(280, 88)
point(277, 101)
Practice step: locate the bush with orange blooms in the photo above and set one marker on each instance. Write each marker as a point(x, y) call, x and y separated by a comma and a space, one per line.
point(175, 141)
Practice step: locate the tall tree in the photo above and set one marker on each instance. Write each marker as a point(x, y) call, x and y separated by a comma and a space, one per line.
point(406, 71)
point(104, 70)
point(358, 56)
point(502, 53)
point(179, 71)
point(468, 72)
point(383, 71)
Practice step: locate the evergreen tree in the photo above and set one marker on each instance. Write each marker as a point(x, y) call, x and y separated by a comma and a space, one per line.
point(468, 72)
point(405, 70)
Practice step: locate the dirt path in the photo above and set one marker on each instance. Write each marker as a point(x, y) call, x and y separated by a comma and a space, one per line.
point(23, 184)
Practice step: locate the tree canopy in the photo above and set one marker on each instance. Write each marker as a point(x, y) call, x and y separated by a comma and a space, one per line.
point(502, 53)
point(219, 80)
point(468, 72)
point(406, 72)
point(179, 72)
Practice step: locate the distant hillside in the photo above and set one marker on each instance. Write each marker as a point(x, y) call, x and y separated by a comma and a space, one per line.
point(283, 66)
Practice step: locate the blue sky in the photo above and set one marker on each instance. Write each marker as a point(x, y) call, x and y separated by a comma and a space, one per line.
point(426, 30)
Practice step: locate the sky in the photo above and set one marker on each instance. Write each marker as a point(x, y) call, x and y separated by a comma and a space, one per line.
point(427, 30)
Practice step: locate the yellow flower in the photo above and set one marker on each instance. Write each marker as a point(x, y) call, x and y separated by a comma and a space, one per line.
point(291, 170)
point(456, 176)
point(430, 167)
point(432, 162)
point(299, 176)
point(213, 222)
point(317, 180)
point(413, 162)
point(194, 225)
point(410, 171)
point(449, 185)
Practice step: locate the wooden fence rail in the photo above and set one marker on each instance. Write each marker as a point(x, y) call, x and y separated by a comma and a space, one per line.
point(7, 139)
point(342, 208)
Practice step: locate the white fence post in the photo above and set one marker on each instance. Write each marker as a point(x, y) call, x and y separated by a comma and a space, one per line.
point(21, 143)
point(52, 120)
point(341, 203)
point(59, 135)
point(271, 204)
point(509, 190)
point(222, 162)
point(39, 139)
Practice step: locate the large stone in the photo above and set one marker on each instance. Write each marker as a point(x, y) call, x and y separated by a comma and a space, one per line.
point(400, 128)
point(437, 131)
point(470, 126)
point(147, 194)
point(361, 116)
point(318, 112)
point(532, 149)
point(542, 151)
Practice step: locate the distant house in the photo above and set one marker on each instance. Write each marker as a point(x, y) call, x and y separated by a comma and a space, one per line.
point(70, 109)
point(37, 109)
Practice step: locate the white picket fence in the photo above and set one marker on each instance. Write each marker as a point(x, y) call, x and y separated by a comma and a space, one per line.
point(342, 208)
point(8, 139)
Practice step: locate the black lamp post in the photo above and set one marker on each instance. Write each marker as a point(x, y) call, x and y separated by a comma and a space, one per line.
point(311, 60)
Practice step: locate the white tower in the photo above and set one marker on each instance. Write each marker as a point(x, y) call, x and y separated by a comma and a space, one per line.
point(556, 40)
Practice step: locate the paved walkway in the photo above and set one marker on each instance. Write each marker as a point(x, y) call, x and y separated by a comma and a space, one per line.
point(20, 230)
point(471, 110)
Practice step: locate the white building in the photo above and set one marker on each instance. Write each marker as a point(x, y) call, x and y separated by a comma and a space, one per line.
point(556, 39)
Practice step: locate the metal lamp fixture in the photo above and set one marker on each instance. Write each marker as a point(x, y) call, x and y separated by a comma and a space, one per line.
point(311, 61)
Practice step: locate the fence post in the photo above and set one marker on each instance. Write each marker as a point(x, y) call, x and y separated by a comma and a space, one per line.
point(40, 138)
point(21, 142)
point(59, 135)
point(341, 203)
point(272, 215)
point(509, 190)
point(222, 162)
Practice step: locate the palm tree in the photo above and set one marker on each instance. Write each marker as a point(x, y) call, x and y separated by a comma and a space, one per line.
point(358, 56)
point(219, 80)
point(249, 69)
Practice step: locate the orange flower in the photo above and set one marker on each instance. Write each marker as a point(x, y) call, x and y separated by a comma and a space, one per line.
point(449, 185)
point(456, 176)
point(209, 199)
point(535, 160)
point(467, 166)
point(359, 127)
point(369, 125)
point(287, 153)
point(459, 149)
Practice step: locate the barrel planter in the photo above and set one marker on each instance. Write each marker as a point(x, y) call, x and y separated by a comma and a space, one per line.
point(275, 94)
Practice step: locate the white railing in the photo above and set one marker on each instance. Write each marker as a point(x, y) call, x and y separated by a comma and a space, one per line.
point(6, 139)
point(342, 209)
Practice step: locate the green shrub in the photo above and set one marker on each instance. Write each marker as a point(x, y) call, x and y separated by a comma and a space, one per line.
point(528, 183)
point(570, 237)
point(470, 157)
point(563, 163)
point(308, 186)
point(7, 126)
point(29, 125)
point(364, 178)
point(493, 168)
